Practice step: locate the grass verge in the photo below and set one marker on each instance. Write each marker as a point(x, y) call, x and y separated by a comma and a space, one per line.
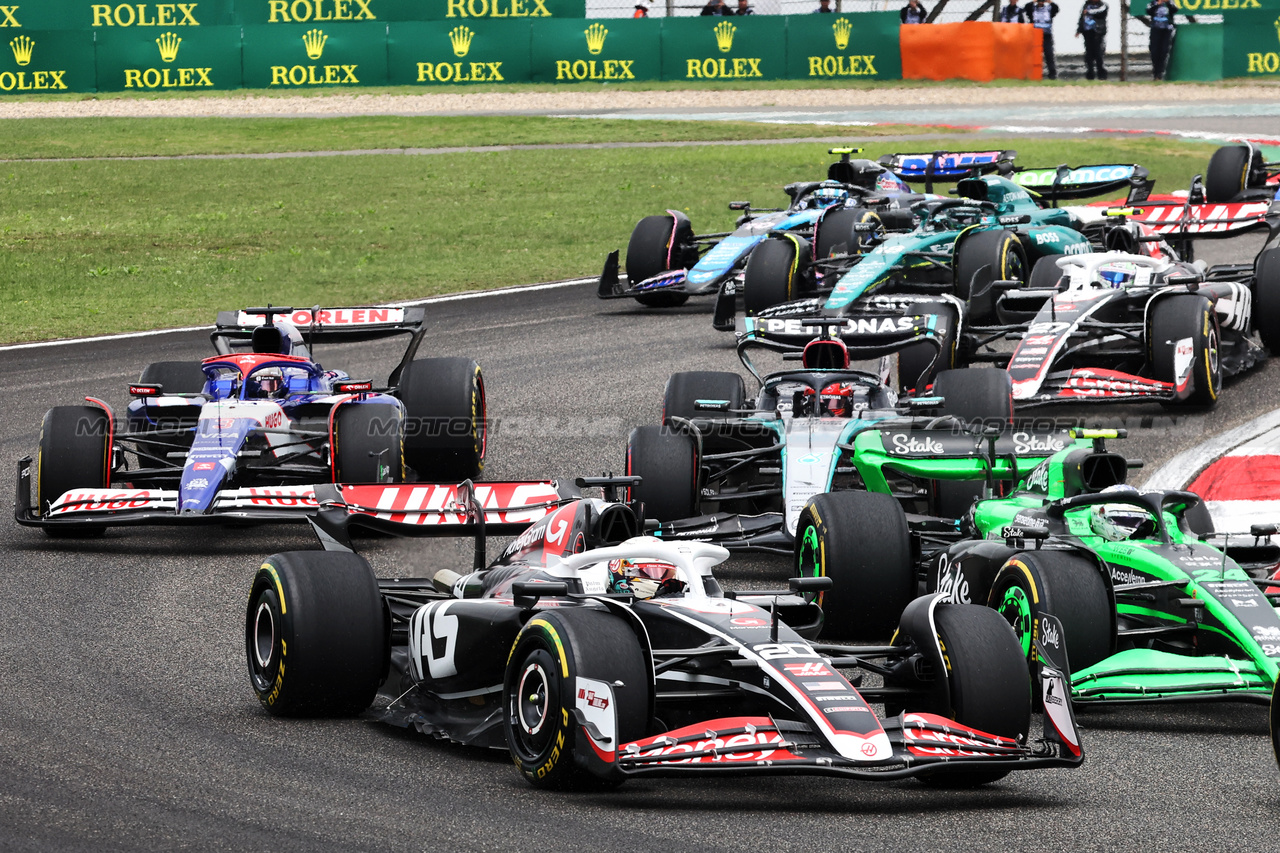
point(110, 246)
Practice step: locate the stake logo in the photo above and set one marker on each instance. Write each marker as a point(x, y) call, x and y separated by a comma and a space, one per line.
point(168, 44)
point(724, 36)
point(842, 28)
point(460, 38)
point(595, 34)
point(314, 42)
point(22, 47)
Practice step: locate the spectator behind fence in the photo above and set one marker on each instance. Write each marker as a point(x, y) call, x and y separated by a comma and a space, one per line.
point(716, 7)
point(642, 10)
point(914, 13)
point(1012, 14)
point(824, 6)
point(1162, 31)
point(1041, 13)
point(1093, 26)
point(743, 9)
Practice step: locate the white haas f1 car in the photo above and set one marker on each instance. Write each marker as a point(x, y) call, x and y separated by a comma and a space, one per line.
point(246, 434)
point(594, 654)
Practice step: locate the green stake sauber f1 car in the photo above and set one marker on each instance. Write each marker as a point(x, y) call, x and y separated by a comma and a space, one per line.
point(1150, 611)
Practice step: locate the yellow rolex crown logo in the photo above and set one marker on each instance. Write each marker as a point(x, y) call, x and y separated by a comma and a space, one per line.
point(314, 42)
point(724, 36)
point(22, 47)
point(842, 28)
point(1277, 23)
point(460, 38)
point(168, 44)
point(595, 38)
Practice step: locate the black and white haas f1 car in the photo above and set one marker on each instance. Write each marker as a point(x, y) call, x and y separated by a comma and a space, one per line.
point(245, 434)
point(594, 654)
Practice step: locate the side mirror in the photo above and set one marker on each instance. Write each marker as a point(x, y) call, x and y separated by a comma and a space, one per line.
point(810, 584)
point(739, 205)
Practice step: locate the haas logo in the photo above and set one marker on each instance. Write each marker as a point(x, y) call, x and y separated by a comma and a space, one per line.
point(590, 697)
point(1049, 634)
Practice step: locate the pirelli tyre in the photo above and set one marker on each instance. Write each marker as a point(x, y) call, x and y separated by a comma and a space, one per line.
point(74, 453)
point(919, 364)
point(774, 272)
point(979, 396)
point(860, 540)
point(1184, 347)
point(445, 418)
point(666, 461)
point(685, 389)
point(838, 227)
point(659, 243)
point(987, 679)
point(174, 377)
point(1002, 255)
point(569, 667)
point(368, 443)
point(1062, 584)
point(1275, 721)
point(1266, 299)
point(1228, 173)
point(1046, 273)
point(317, 635)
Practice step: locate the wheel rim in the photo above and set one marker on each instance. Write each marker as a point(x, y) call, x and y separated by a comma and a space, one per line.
point(482, 426)
point(533, 698)
point(809, 556)
point(1213, 357)
point(264, 636)
point(1014, 268)
point(1015, 607)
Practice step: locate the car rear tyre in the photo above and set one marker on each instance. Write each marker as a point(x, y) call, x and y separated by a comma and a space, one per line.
point(1178, 321)
point(977, 395)
point(1266, 299)
point(316, 634)
point(685, 389)
point(1059, 584)
point(75, 453)
point(1228, 173)
point(772, 276)
point(919, 364)
point(667, 464)
point(860, 540)
point(989, 683)
point(1002, 254)
point(836, 227)
point(557, 657)
point(368, 444)
point(659, 243)
point(1046, 273)
point(445, 418)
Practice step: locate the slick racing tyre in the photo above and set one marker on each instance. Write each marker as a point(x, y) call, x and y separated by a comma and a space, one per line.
point(75, 453)
point(1183, 321)
point(667, 464)
point(977, 395)
point(659, 243)
point(773, 274)
point(1266, 299)
point(565, 663)
point(860, 540)
point(1060, 584)
point(989, 684)
point(445, 418)
point(1275, 721)
point(174, 377)
point(1001, 253)
point(368, 443)
point(920, 363)
point(836, 228)
point(1046, 274)
point(316, 634)
point(1228, 172)
point(685, 389)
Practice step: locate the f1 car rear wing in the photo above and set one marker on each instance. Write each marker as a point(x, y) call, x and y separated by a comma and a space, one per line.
point(1056, 183)
point(947, 165)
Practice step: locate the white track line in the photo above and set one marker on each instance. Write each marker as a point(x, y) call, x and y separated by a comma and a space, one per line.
point(430, 300)
point(1182, 469)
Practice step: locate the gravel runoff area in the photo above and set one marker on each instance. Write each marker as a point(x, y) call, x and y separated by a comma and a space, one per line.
point(328, 103)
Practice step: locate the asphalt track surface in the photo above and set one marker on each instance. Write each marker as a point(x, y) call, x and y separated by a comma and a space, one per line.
point(127, 720)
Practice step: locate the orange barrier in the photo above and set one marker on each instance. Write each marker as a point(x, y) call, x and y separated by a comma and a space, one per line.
point(972, 50)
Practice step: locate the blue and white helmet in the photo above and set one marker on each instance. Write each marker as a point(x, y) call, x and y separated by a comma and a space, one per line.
point(827, 194)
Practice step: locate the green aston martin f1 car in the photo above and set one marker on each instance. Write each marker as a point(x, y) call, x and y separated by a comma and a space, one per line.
point(1151, 612)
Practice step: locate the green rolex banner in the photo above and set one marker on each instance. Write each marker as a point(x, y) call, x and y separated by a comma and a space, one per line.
point(1250, 44)
point(611, 50)
point(288, 56)
point(714, 48)
point(1227, 8)
point(85, 14)
point(186, 59)
point(46, 61)
point(351, 11)
point(862, 46)
point(440, 52)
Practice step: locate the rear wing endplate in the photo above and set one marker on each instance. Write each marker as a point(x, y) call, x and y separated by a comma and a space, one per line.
point(947, 165)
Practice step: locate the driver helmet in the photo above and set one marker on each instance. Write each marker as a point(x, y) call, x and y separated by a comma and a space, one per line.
point(267, 384)
point(837, 399)
point(1118, 522)
point(643, 578)
point(827, 194)
point(1116, 276)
